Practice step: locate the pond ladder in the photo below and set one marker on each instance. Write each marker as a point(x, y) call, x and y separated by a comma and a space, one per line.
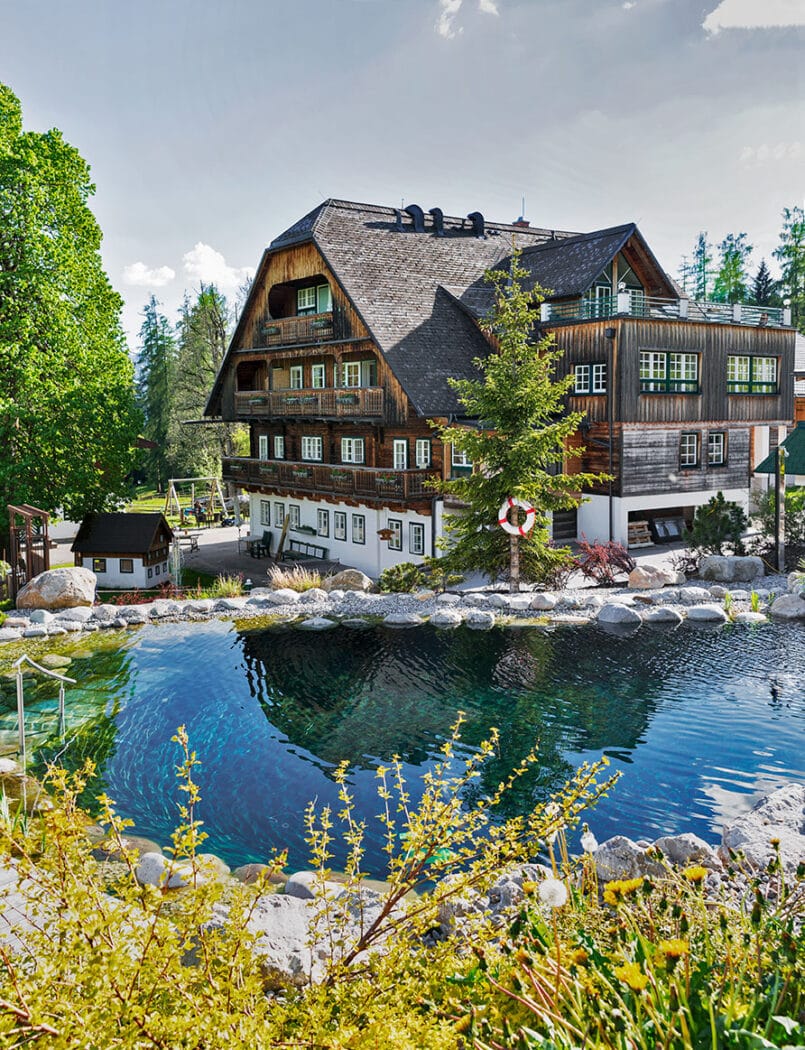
point(17, 665)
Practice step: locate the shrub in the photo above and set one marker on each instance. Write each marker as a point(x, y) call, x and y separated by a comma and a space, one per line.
point(402, 578)
point(225, 586)
point(603, 562)
point(296, 579)
point(794, 514)
point(717, 524)
point(439, 575)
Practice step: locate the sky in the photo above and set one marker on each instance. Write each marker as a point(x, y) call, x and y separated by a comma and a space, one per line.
point(212, 125)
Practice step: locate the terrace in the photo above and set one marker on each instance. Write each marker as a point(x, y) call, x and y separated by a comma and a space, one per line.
point(636, 304)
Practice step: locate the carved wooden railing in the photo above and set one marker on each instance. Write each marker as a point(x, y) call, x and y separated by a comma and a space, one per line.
point(321, 402)
point(332, 478)
point(293, 331)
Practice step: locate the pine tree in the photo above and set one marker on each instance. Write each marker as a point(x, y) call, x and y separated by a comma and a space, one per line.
point(790, 253)
point(701, 268)
point(521, 443)
point(732, 278)
point(156, 371)
point(764, 287)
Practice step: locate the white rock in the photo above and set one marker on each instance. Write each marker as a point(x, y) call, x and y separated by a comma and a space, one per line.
point(707, 614)
point(336, 595)
point(520, 602)
point(789, 607)
point(76, 614)
point(621, 858)
point(662, 614)
point(650, 577)
point(796, 582)
point(348, 580)
point(133, 614)
point(283, 596)
point(307, 885)
point(686, 849)
point(41, 616)
point(71, 626)
point(717, 590)
point(616, 612)
point(727, 569)
point(693, 595)
point(747, 616)
point(448, 599)
point(58, 589)
point(105, 612)
point(226, 605)
point(151, 869)
point(499, 601)
point(403, 620)
point(37, 631)
point(446, 618)
point(200, 605)
point(476, 598)
point(480, 619)
point(780, 815)
point(543, 602)
point(316, 623)
point(314, 595)
point(9, 635)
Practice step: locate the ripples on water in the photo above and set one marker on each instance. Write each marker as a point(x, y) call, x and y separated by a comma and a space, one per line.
point(699, 722)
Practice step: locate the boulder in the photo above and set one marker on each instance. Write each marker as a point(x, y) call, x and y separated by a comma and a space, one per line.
point(543, 602)
point(520, 602)
point(614, 612)
point(41, 616)
point(728, 569)
point(133, 614)
point(747, 616)
point(662, 614)
point(58, 589)
point(718, 591)
point(446, 618)
point(251, 873)
point(779, 816)
point(650, 578)
point(621, 858)
point(348, 580)
point(283, 596)
point(221, 605)
point(317, 623)
point(796, 582)
point(78, 614)
point(476, 598)
point(694, 595)
point(448, 599)
point(787, 607)
point(314, 595)
point(71, 626)
point(9, 635)
point(38, 630)
point(307, 885)
point(707, 614)
point(54, 661)
point(499, 601)
point(108, 849)
point(685, 849)
point(106, 613)
point(403, 620)
point(480, 619)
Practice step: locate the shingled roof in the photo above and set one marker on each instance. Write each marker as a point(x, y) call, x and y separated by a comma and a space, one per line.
point(119, 533)
point(418, 292)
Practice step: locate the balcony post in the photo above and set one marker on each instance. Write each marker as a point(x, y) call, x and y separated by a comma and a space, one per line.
point(544, 312)
point(684, 308)
point(624, 303)
point(736, 313)
point(787, 316)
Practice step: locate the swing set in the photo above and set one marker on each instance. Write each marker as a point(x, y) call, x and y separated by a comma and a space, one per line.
point(208, 489)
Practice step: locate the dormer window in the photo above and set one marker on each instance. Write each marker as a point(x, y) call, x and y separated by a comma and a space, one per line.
point(315, 299)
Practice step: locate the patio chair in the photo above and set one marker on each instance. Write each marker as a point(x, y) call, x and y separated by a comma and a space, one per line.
point(262, 548)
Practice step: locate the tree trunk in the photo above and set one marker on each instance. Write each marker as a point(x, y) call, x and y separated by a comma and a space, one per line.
point(514, 554)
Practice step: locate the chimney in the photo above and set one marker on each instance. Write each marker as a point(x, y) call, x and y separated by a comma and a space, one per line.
point(417, 217)
point(438, 221)
point(478, 224)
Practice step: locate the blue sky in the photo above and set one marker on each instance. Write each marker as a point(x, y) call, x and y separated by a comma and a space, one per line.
point(212, 125)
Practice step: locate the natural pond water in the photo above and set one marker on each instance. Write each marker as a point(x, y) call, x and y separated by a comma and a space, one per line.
point(700, 722)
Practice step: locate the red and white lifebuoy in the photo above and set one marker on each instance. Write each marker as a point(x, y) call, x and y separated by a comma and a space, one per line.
point(516, 530)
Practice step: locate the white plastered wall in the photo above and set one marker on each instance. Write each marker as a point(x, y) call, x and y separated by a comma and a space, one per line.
point(128, 581)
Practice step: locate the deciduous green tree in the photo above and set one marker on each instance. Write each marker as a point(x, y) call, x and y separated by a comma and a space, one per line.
point(790, 253)
point(68, 418)
point(156, 373)
point(732, 278)
point(520, 443)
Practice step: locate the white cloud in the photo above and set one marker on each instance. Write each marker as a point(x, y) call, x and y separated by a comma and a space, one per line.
point(750, 14)
point(627, 5)
point(142, 276)
point(488, 7)
point(754, 156)
point(444, 25)
point(203, 263)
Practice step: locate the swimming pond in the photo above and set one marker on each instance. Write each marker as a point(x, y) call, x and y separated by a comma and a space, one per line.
point(699, 721)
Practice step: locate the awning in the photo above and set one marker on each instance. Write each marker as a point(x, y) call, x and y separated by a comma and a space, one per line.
point(794, 445)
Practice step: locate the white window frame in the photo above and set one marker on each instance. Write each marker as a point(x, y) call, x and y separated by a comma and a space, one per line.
point(599, 379)
point(312, 448)
point(669, 372)
point(582, 379)
point(689, 444)
point(716, 448)
point(296, 377)
point(416, 538)
point(399, 451)
point(353, 450)
point(262, 446)
point(306, 300)
point(295, 515)
point(459, 458)
point(318, 376)
point(279, 446)
point(279, 515)
point(359, 529)
point(395, 526)
point(751, 374)
point(351, 374)
point(265, 512)
point(422, 453)
point(322, 522)
point(339, 525)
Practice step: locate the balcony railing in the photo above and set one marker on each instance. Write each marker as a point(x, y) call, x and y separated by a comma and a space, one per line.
point(636, 304)
point(322, 402)
point(294, 331)
point(331, 478)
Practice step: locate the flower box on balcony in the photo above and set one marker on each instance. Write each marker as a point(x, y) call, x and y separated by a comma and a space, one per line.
point(291, 400)
point(321, 324)
point(388, 479)
point(347, 399)
point(272, 329)
point(301, 472)
point(258, 400)
point(340, 475)
point(268, 468)
point(309, 399)
point(308, 530)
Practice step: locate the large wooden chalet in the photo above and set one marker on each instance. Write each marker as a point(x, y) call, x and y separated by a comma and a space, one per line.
point(359, 315)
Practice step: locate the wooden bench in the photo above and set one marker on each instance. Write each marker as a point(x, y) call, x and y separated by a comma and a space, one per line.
point(303, 549)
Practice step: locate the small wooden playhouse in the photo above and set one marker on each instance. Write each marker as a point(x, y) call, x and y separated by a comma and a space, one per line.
point(125, 550)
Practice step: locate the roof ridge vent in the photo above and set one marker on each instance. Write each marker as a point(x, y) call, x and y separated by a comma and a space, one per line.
point(438, 221)
point(399, 223)
point(417, 217)
point(478, 224)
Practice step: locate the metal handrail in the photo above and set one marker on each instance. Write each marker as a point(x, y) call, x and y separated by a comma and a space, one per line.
point(17, 665)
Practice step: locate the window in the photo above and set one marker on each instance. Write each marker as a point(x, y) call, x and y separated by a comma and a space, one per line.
point(590, 379)
point(265, 512)
point(352, 450)
point(460, 459)
point(352, 373)
point(416, 538)
point(400, 452)
point(358, 528)
point(339, 525)
point(262, 446)
point(311, 448)
point(751, 375)
point(297, 380)
point(156, 569)
point(668, 373)
point(689, 449)
point(422, 453)
point(99, 564)
point(150, 574)
point(127, 565)
point(164, 566)
point(323, 522)
point(279, 515)
point(395, 540)
point(306, 301)
point(295, 514)
point(317, 376)
point(716, 448)
point(279, 446)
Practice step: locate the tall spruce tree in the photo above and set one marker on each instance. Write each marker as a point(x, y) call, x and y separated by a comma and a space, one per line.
point(732, 278)
point(696, 271)
point(790, 253)
point(764, 287)
point(156, 372)
point(68, 415)
point(520, 442)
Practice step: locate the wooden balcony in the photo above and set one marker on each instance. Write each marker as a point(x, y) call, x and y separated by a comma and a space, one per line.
point(298, 331)
point(636, 304)
point(333, 479)
point(321, 403)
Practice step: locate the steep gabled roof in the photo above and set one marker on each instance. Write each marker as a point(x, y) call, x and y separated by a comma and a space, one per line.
point(418, 292)
point(119, 533)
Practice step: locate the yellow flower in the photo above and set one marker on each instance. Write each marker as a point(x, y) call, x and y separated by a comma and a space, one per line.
point(579, 957)
point(674, 948)
point(631, 974)
point(695, 874)
point(529, 887)
point(619, 888)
